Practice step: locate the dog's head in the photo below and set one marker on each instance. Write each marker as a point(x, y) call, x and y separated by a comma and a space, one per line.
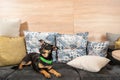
point(46, 49)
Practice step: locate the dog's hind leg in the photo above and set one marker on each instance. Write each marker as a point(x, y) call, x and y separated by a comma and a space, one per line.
point(23, 63)
point(57, 74)
point(28, 63)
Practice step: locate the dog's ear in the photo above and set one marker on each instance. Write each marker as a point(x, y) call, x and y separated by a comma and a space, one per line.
point(55, 48)
point(42, 41)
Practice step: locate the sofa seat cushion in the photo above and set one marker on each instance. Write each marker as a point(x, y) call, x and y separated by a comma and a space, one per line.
point(106, 73)
point(68, 73)
point(5, 71)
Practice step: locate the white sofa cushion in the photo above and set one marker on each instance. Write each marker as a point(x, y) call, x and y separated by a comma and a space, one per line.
point(89, 63)
point(9, 27)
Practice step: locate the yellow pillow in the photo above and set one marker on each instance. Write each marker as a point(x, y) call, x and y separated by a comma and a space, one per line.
point(12, 50)
point(117, 44)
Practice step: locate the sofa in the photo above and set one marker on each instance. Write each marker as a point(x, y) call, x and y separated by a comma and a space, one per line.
point(68, 73)
point(20, 46)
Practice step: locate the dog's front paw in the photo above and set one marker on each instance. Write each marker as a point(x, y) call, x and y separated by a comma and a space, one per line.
point(47, 75)
point(20, 68)
point(58, 75)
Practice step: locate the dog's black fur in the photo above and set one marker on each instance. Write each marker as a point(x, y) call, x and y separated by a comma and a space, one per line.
point(39, 65)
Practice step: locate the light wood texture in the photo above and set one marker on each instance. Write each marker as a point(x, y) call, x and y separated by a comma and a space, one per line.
point(97, 17)
point(65, 16)
point(41, 15)
point(93, 14)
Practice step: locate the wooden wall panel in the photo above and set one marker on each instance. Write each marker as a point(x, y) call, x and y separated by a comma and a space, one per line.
point(64, 16)
point(41, 15)
point(99, 16)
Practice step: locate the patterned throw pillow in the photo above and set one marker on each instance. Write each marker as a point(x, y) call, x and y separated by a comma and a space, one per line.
point(33, 44)
point(66, 55)
point(71, 41)
point(84, 35)
point(32, 40)
point(97, 48)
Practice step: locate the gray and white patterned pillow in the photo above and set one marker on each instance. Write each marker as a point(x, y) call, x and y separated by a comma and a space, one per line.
point(70, 41)
point(66, 55)
point(33, 44)
point(97, 48)
point(32, 40)
point(84, 35)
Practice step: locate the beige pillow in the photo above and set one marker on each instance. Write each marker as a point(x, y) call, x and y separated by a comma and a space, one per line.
point(9, 27)
point(116, 54)
point(89, 63)
point(12, 50)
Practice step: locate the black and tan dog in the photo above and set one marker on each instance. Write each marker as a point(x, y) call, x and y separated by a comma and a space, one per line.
point(42, 62)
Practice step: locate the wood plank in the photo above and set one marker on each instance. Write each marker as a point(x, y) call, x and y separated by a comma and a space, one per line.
point(65, 16)
point(41, 15)
point(97, 16)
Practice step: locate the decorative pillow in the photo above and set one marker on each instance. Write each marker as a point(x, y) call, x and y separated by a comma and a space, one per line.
point(32, 40)
point(97, 48)
point(12, 50)
point(89, 63)
point(111, 37)
point(66, 55)
point(84, 35)
point(117, 44)
point(9, 27)
point(71, 41)
point(33, 44)
point(116, 55)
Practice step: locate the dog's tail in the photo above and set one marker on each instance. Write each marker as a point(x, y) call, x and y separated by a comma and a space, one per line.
point(15, 67)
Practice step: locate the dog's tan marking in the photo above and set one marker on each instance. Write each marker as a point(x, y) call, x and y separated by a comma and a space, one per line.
point(41, 65)
point(45, 73)
point(29, 63)
point(57, 74)
point(48, 67)
point(24, 63)
point(46, 53)
point(21, 65)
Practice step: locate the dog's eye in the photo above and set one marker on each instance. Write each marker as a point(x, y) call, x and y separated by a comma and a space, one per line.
point(43, 52)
